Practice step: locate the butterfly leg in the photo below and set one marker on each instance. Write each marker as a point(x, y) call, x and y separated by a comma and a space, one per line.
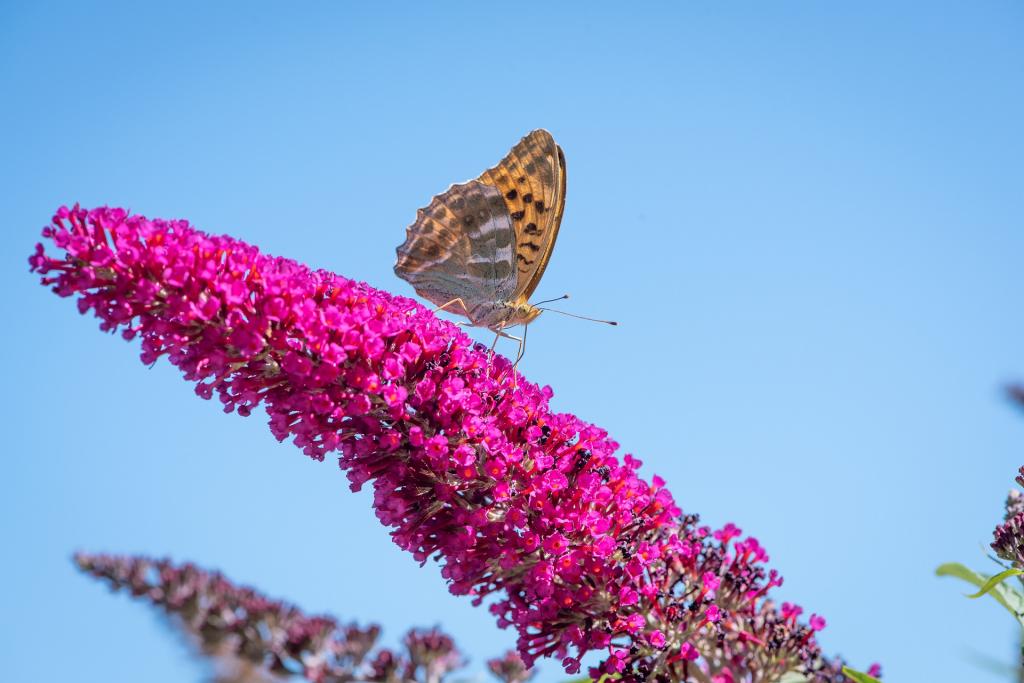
point(490, 352)
point(456, 299)
point(519, 355)
point(519, 340)
point(522, 346)
point(498, 334)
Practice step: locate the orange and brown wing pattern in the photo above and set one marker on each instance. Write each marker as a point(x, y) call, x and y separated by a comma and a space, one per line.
point(531, 179)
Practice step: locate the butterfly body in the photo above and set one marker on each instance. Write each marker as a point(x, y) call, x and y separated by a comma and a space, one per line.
point(480, 248)
point(506, 314)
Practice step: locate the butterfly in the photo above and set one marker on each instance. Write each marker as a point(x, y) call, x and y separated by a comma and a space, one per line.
point(481, 247)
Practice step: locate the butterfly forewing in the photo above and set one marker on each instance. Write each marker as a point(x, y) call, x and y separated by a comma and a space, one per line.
point(461, 246)
point(531, 180)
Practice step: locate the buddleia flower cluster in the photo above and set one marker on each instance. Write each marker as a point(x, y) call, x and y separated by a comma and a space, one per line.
point(1008, 537)
point(262, 639)
point(527, 510)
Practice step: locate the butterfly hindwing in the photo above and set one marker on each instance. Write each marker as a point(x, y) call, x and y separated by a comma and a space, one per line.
point(461, 246)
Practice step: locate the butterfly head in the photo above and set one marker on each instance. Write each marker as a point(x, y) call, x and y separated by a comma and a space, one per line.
point(511, 314)
point(524, 313)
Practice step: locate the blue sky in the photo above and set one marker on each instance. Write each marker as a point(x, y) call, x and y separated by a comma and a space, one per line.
point(805, 216)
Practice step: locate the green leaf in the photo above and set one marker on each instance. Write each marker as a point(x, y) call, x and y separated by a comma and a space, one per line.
point(995, 581)
point(859, 677)
point(1009, 598)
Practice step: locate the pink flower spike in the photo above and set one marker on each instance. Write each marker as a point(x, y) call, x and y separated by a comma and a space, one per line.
point(239, 623)
point(530, 511)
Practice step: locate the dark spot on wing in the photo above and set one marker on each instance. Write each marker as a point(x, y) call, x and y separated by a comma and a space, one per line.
point(527, 197)
point(532, 246)
point(511, 194)
point(540, 206)
point(518, 215)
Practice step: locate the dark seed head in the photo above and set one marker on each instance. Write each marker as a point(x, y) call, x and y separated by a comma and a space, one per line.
point(545, 432)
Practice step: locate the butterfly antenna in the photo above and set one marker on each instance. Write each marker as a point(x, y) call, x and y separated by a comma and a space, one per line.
point(547, 301)
point(581, 317)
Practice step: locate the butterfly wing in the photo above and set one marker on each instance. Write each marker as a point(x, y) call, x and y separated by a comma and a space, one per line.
point(461, 246)
point(531, 180)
